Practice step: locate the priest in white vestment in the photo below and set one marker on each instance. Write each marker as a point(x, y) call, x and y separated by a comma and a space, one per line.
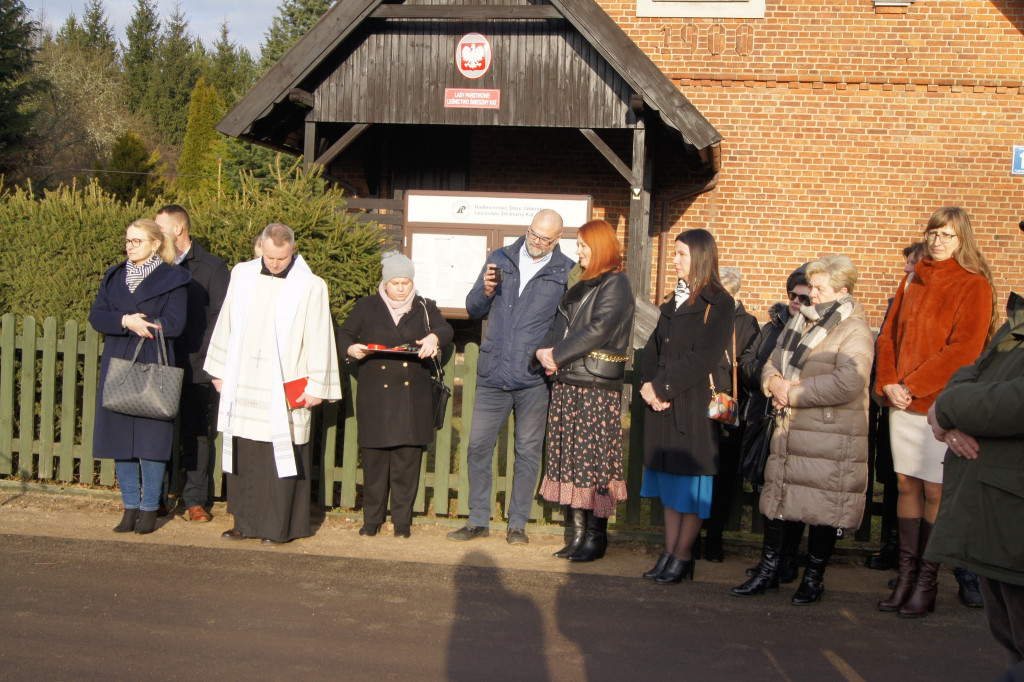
point(274, 327)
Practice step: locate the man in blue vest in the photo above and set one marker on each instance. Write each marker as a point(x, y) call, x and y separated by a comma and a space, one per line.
point(517, 292)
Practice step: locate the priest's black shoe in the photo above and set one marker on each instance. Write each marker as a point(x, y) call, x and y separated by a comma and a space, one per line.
point(676, 571)
point(402, 532)
point(128, 521)
point(232, 534)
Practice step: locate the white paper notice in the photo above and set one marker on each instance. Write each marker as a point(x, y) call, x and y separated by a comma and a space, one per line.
point(447, 265)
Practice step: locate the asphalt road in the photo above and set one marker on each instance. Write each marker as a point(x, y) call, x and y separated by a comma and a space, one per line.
point(117, 610)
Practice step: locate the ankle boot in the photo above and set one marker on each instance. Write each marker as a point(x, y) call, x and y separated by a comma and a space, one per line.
point(676, 571)
point(767, 578)
point(821, 540)
point(910, 536)
point(578, 519)
point(595, 541)
point(889, 554)
point(127, 524)
point(658, 567)
point(922, 599)
point(146, 523)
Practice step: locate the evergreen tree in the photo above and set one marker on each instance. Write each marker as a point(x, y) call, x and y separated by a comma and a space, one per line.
point(294, 18)
point(172, 82)
point(99, 34)
point(203, 148)
point(133, 173)
point(17, 83)
point(140, 54)
point(230, 68)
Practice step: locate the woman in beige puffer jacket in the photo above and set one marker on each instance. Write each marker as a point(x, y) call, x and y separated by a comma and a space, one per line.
point(817, 472)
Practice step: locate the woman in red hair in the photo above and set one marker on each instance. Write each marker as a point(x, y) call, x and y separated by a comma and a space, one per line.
point(585, 354)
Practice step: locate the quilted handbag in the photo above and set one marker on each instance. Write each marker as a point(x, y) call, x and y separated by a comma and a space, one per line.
point(140, 389)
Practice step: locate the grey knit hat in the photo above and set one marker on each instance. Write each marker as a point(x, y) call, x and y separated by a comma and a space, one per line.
point(396, 265)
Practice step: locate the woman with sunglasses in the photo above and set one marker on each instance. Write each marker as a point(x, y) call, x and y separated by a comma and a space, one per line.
point(138, 295)
point(940, 321)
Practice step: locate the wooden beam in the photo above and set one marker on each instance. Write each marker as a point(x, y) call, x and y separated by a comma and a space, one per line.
point(608, 153)
point(301, 97)
point(338, 147)
point(640, 249)
point(309, 145)
point(466, 12)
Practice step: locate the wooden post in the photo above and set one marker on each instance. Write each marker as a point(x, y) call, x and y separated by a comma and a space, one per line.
point(640, 244)
point(309, 145)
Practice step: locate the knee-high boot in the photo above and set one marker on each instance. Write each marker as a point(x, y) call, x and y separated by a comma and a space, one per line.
point(578, 519)
point(767, 577)
point(789, 564)
point(821, 540)
point(910, 539)
point(595, 541)
point(922, 599)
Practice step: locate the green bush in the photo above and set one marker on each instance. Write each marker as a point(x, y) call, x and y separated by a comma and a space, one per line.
point(56, 247)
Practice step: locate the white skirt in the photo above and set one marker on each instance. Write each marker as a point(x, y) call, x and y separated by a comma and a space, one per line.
point(915, 452)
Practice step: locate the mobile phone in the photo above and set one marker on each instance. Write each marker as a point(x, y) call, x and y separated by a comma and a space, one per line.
point(498, 274)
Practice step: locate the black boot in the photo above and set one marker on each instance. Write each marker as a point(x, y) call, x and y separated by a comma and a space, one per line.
point(127, 525)
point(578, 519)
point(888, 556)
point(658, 567)
point(821, 540)
point(676, 571)
point(767, 578)
point(595, 541)
point(146, 523)
point(789, 560)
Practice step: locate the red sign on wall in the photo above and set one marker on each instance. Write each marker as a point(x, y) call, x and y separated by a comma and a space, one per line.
point(473, 55)
point(471, 98)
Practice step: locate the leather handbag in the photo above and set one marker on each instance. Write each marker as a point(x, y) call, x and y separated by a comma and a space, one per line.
point(723, 407)
point(756, 446)
point(439, 392)
point(606, 364)
point(140, 389)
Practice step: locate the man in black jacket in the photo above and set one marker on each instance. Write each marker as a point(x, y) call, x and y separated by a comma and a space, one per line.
point(206, 292)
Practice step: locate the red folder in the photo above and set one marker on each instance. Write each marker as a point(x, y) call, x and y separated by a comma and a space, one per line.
point(293, 389)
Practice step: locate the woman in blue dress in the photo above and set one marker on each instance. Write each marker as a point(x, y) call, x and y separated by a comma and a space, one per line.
point(680, 440)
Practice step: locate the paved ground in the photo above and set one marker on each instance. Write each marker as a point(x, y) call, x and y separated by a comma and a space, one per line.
point(79, 602)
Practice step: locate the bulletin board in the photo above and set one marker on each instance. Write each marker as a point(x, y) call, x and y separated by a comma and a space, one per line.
point(449, 235)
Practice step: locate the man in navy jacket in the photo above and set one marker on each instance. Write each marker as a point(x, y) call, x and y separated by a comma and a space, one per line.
point(206, 292)
point(518, 292)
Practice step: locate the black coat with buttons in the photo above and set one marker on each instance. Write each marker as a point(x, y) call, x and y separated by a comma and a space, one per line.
point(393, 396)
point(680, 354)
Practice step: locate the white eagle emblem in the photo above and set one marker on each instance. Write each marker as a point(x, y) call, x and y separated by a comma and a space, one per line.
point(472, 56)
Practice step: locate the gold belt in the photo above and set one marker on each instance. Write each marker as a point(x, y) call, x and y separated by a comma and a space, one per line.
point(608, 356)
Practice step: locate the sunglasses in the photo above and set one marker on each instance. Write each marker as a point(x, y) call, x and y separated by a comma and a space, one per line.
point(804, 298)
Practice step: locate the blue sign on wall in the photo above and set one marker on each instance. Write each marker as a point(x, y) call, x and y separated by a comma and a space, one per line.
point(1018, 159)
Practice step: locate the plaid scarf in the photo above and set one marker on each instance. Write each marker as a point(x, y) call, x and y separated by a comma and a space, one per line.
point(134, 274)
point(805, 331)
point(682, 293)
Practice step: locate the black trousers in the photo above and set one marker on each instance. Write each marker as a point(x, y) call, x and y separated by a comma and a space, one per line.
point(1004, 606)
point(198, 407)
point(725, 482)
point(394, 468)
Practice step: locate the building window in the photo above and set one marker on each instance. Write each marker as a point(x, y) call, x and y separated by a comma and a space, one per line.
point(709, 9)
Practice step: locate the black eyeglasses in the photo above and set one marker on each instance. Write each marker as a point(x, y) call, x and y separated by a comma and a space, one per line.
point(546, 241)
point(136, 242)
point(804, 298)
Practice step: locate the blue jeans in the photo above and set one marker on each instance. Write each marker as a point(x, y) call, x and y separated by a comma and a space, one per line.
point(152, 483)
point(490, 411)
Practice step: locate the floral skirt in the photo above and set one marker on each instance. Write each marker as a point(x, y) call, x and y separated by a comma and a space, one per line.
point(584, 466)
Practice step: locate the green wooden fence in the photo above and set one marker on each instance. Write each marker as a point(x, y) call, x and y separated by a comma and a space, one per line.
point(48, 388)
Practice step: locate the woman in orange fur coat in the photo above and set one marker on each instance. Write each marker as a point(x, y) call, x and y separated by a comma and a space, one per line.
point(941, 318)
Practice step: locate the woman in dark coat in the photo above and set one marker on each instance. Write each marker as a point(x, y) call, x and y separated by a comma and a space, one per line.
point(133, 296)
point(680, 440)
point(393, 404)
point(585, 353)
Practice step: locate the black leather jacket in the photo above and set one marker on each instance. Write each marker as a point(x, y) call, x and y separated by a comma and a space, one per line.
point(595, 314)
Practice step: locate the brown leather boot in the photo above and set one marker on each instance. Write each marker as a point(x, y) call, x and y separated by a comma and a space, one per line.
point(922, 599)
point(910, 542)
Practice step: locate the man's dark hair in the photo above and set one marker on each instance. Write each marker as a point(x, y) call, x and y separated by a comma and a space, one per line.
point(178, 213)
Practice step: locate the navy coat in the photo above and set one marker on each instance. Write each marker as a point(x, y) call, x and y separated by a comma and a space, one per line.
point(206, 291)
point(680, 354)
point(162, 295)
point(394, 397)
point(516, 325)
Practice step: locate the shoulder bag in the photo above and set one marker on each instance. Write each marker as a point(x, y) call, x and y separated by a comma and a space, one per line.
point(439, 392)
point(723, 407)
point(756, 446)
point(139, 389)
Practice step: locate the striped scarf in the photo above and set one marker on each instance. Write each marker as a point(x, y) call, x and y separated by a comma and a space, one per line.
point(682, 293)
point(134, 274)
point(798, 339)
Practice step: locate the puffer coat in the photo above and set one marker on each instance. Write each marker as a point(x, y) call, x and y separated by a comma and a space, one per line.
point(818, 468)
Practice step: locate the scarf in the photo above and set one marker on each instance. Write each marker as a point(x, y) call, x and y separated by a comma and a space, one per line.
point(805, 331)
point(284, 315)
point(682, 293)
point(134, 274)
point(397, 308)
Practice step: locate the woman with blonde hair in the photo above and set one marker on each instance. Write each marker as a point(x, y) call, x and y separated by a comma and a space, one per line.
point(937, 324)
point(138, 295)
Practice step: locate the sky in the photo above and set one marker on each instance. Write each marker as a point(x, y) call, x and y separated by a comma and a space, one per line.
point(247, 19)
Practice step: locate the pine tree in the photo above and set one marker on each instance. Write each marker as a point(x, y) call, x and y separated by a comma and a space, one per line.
point(17, 83)
point(172, 82)
point(230, 68)
point(133, 173)
point(203, 148)
point(140, 54)
point(294, 18)
point(99, 34)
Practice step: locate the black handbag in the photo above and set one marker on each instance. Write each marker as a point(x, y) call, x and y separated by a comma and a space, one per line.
point(606, 364)
point(140, 389)
point(439, 393)
point(756, 446)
